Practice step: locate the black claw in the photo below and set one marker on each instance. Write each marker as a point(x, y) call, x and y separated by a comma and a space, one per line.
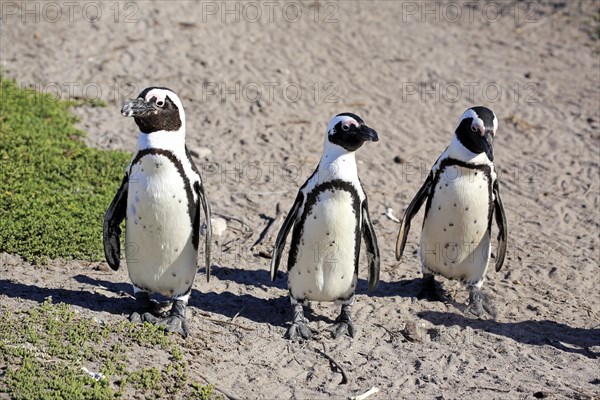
point(176, 324)
point(299, 330)
point(344, 323)
point(480, 304)
point(149, 317)
point(174, 321)
point(429, 289)
point(136, 318)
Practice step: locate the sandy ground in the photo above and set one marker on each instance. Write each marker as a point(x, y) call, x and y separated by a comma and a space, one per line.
point(259, 90)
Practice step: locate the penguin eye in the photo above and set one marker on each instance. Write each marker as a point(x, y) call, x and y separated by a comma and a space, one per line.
point(345, 128)
point(473, 128)
point(160, 103)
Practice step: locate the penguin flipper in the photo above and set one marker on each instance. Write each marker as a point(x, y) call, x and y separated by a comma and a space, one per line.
point(282, 235)
point(502, 227)
point(411, 211)
point(203, 202)
point(371, 245)
point(111, 231)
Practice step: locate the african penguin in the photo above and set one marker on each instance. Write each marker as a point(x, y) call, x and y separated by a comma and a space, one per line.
point(462, 192)
point(160, 197)
point(328, 216)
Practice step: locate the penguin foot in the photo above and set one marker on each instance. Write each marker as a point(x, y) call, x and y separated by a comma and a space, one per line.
point(429, 290)
point(480, 304)
point(143, 306)
point(343, 323)
point(173, 322)
point(299, 330)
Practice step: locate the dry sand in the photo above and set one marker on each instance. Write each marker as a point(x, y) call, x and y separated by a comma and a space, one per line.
point(409, 69)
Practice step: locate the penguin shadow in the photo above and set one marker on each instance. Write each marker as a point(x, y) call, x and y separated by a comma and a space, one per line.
point(85, 299)
point(274, 311)
point(538, 333)
point(262, 278)
point(402, 288)
point(258, 278)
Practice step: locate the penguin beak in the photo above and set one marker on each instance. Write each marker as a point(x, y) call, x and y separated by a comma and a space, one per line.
point(367, 134)
point(487, 139)
point(137, 108)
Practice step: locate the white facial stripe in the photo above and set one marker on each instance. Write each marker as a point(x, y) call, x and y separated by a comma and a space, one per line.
point(477, 122)
point(344, 118)
point(162, 94)
point(495, 124)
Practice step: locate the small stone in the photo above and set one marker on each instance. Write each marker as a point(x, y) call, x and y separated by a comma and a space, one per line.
point(219, 225)
point(398, 160)
point(411, 332)
point(102, 267)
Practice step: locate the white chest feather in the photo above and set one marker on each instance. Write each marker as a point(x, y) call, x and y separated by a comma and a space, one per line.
point(455, 240)
point(324, 269)
point(160, 253)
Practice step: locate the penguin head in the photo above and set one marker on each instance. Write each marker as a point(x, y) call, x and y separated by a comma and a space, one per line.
point(349, 131)
point(156, 109)
point(476, 130)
